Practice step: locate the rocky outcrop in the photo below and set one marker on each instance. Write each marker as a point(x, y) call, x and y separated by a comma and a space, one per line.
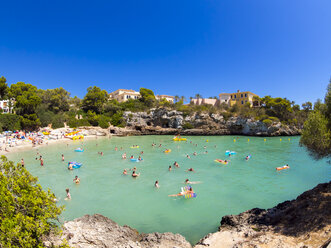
point(97, 231)
point(304, 222)
point(162, 121)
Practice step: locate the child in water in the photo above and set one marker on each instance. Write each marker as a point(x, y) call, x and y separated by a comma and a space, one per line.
point(76, 180)
point(156, 184)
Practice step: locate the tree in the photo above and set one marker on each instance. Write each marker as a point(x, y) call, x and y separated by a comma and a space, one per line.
point(26, 97)
point(147, 97)
point(328, 104)
point(57, 99)
point(3, 88)
point(176, 98)
point(315, 135)
point(27, 213)
point(94, 99)
point(307, 106)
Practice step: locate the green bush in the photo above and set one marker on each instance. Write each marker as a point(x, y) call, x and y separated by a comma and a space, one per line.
point(274, 119)
point(27, 212)
point(188, 125)
point(268, 122)
point(103, 121)
point(30, 122)
point(117, 120)
point(10, 122)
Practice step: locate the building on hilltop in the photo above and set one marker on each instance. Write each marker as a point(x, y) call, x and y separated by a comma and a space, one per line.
point(168, 98)
point(200, 101)
point(240, 98)
point(122, 95)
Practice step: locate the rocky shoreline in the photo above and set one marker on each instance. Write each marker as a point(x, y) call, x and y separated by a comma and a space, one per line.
point(304, 222)
point(164, 122)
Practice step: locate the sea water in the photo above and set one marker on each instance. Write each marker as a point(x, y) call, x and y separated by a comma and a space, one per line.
point(224, 189)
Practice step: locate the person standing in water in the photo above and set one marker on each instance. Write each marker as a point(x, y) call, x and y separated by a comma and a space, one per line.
point(68, 195)
point(22, 162)
point(62, 157)
point(169, 168)
point(76, 180)
point(41, 161)
point(156, 184)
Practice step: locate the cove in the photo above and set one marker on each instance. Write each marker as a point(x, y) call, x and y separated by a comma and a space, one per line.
point(224, 189)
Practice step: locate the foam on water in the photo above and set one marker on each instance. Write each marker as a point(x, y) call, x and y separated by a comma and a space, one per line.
point(225, 189)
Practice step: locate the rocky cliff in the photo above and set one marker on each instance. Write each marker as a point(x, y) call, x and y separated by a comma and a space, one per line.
point(303, 223)
point(162, 121)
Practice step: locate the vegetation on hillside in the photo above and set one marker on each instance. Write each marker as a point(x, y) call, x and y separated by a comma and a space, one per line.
point(27, 212)
point(34, 108)
point(316, 135)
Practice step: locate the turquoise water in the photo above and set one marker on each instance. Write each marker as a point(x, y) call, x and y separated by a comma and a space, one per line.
point(225, 189)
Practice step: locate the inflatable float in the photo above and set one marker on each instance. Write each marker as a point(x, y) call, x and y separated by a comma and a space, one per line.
point(282, 167)
point(79, 150)
point(75, 165)
point(167, 151)
point(230, 152)
point(221, 161)
point(135, 160)
point(178, 138)
point(186, 195)
point(134, 147)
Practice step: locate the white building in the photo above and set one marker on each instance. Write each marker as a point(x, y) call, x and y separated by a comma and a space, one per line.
point(168, 98)
point(6, 107)
point(201, 101)
point(225, 98)
point(122, 95)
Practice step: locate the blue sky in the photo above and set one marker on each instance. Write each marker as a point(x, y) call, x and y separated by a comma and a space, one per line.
point(278, 48)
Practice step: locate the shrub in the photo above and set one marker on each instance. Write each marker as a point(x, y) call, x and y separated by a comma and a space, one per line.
point(274, 119)
point(30, 122)
point(103, 121)
point(10, 122)
point(268, 122)
point(188, 125)
point(117, 120)
point(27, 212)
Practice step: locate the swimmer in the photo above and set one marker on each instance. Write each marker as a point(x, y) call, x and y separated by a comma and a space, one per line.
point(100, 153)
point(124, 156)
point(131, 157)
point(204, 147)
point(76, 180)
point(134, 168)
point(190, 169)
point(206, 152)
point(176, 164)
point(194, 153)
point(189, 182)
point(121, 148)
point(160, 145)
point(188, 156)
point(156, 184)
point(139, 158)
point(142, 152)
point(70, 167)
point(125, 172)
point(169, 168)
point(68, 195)
point(62, 157)
point(116, 149)
point(190, 191)
point(41, 161)
point(134, 174)
point(22, 162)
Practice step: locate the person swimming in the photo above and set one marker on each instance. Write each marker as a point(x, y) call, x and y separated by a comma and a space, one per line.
point(70, 167)
point(132, 157)
point(189, 191)
point(62, 157)
point(156, 184)
point(124, 156)
point(142, 152)
point(190, 169)
point(76, 180)
point(140, 158)
point(176, 164)
point(188, 156)
point(169, 168)
point(194, 153)
point(189, 182)
point(134, 174)
point(125, 172)
point(22, 162)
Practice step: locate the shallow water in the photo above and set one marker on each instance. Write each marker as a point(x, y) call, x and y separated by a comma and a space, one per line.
point(224, 189)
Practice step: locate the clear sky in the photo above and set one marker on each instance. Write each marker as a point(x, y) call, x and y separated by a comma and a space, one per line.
point(177, 47)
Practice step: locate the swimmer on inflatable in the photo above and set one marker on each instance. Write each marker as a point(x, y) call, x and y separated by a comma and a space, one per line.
point(185, 191)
